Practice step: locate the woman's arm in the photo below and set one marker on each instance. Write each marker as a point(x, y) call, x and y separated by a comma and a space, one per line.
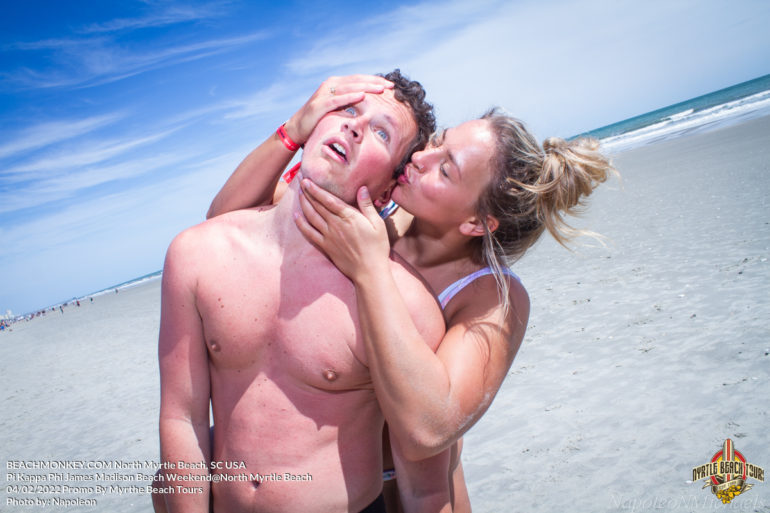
point(429, 399)
point(255, 179)
point(423, 486)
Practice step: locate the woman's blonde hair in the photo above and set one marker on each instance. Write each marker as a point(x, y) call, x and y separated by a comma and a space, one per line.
point(532, 189)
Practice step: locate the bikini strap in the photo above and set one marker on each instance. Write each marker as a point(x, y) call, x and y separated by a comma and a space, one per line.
point(451, 291)
point(388, 209)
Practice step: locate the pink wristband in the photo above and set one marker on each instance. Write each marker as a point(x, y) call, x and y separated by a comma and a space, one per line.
point(286, 140)
point(289, 175)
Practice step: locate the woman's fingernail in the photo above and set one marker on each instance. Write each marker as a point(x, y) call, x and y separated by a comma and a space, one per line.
point(364, 192)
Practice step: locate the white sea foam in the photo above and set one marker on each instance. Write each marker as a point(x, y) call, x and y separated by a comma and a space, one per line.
point(680, 115)
point(689, 120)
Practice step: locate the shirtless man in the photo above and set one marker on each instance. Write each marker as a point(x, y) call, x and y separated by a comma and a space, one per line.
point(258, 322)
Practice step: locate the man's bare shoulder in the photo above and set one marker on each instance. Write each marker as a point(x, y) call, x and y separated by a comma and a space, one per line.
point(217, 230)
point(195, 250)
point(420, 300)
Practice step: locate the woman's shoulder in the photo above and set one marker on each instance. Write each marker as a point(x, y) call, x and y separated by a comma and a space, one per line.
point(477, 295)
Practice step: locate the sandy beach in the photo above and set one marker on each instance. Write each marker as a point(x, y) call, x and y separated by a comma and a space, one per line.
point(641, 358)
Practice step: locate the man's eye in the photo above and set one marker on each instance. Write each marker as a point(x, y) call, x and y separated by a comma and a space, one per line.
point(351, 110)
point(383, 134)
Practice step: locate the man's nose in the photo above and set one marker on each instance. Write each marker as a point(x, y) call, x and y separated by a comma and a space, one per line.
point(353, 127)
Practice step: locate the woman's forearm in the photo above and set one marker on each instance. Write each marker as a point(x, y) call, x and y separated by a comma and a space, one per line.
point(254, 180)
point(411, 382)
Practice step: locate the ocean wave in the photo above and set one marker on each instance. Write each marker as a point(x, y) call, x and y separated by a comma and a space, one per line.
point(676, 117)
point(688, 120)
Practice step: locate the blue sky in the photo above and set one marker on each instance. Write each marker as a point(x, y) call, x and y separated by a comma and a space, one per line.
point(120, 120)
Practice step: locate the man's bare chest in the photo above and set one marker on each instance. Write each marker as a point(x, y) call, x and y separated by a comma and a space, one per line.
point(264, 313)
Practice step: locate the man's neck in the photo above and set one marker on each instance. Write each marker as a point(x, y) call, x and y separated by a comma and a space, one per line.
point(283, 225)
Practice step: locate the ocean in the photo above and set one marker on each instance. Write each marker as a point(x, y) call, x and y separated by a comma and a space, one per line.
point(726, 106)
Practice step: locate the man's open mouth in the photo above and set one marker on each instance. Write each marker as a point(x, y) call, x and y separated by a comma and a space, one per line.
point(338, 149)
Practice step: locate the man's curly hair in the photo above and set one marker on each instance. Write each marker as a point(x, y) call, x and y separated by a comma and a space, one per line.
point(412, 94)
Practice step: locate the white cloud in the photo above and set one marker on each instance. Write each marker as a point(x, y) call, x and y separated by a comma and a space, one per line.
point(48, 133)
point(392, 36)
point(170, 15)
point(275, 97)
point(91, 153)
point(67, 185)
point(95, 61)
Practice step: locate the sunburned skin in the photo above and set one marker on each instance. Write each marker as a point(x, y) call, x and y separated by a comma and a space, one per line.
point(370, 130)
point(290, 388)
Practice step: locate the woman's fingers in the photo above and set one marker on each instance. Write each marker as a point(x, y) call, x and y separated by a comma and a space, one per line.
point(332, 94)
point(366, 206)
point(341, 100)
point(358, 87)
point(360, 81)
point(325, 199)
point(312, 213)
point(310, 233)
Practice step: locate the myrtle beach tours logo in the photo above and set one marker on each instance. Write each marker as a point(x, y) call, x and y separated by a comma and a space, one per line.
point(727, 473)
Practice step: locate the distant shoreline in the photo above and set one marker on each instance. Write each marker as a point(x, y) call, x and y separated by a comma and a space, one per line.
point(88, 297)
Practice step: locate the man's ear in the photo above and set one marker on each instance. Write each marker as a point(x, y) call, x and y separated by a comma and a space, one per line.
point(384, 198)
point(473, 227)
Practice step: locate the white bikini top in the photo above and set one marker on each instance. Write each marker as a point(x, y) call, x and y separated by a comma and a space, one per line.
point(451, 291)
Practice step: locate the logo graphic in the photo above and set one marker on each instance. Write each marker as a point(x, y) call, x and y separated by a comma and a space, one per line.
point(727, 472)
